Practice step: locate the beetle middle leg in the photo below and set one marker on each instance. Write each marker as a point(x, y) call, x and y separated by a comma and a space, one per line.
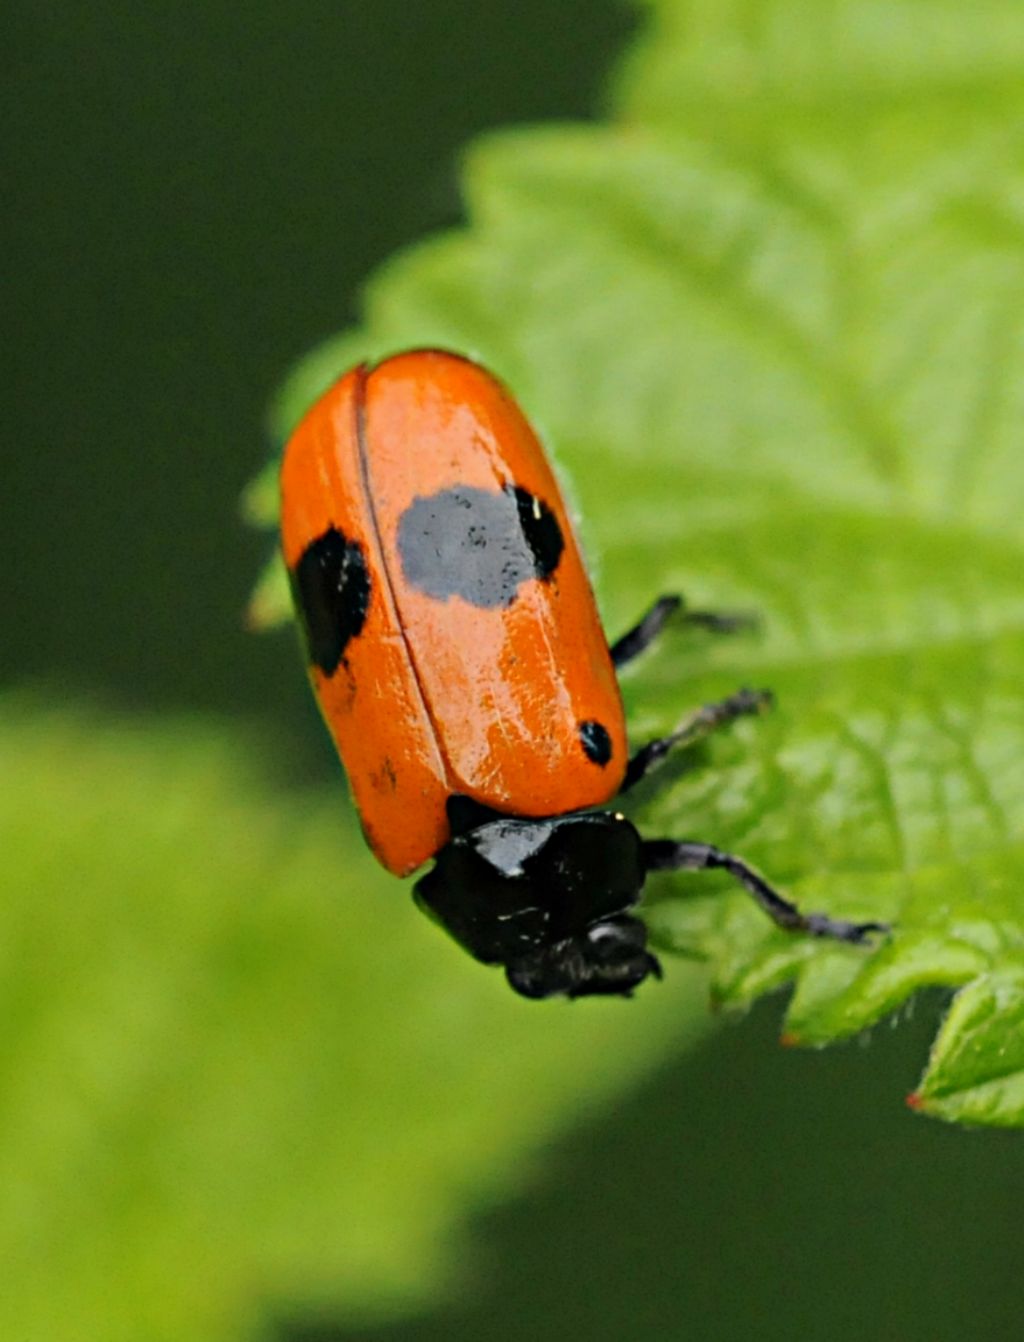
point(700, 723)
point(643, 634)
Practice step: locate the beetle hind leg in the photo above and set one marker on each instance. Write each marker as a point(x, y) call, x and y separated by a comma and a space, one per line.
point(645, 631)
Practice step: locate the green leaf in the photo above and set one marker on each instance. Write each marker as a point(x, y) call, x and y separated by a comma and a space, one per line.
point(977, 1064)
point(769, 321)
point(275, 1081)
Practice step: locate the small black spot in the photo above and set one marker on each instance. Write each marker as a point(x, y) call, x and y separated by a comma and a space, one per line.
point(384, 779)
point(478, 544)
point(331, 591)
point(597, 744)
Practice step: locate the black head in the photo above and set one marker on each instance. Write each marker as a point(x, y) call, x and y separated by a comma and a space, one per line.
point(547, 899)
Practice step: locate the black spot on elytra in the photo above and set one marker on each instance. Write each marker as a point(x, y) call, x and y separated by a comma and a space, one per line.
point(542, 532)
point(597, 744)
point(478, 544)
point(331, 590)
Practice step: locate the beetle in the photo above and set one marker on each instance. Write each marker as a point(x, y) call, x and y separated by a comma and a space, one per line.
point(456, 652)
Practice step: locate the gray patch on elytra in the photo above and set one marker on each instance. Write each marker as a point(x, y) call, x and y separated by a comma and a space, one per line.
point(477, 544)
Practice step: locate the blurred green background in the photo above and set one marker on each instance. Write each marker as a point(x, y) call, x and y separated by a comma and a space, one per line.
point(198, 193)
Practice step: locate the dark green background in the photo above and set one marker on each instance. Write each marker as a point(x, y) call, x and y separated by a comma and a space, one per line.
point(198, 192)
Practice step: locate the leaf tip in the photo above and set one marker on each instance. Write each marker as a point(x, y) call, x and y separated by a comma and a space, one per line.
point(915, 1101)
point(790, 1039)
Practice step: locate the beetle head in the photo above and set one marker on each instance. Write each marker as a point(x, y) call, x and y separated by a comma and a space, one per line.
point(546, 898)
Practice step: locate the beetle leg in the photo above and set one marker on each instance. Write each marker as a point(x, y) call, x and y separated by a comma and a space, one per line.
point(702, 722)
point(643, 634)
point(670, 855)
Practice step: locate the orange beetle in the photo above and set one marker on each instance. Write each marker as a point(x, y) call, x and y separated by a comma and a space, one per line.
point(459, 661)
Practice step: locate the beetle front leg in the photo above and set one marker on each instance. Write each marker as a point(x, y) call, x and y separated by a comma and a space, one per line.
point(670, 855)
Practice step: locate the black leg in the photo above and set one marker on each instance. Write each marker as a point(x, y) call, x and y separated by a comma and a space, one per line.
point(668, 855)
point(642, 635)
point(699, 724)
